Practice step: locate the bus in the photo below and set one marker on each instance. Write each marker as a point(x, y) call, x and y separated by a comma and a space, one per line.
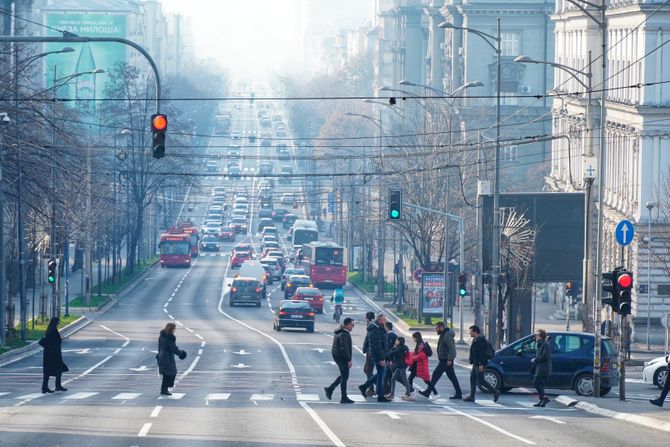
point(188, 228)
point(324, 263)
point(175, 249)
point(304, 231)
point(222, 124)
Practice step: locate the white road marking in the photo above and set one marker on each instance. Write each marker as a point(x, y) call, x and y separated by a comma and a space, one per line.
point(190, 368)
point(202, 345)
point(199, 336)
point(144, 430)
point(179, 323)
point(391, 414)
point(31, 396)
point(217, 396)
point(555, 420)
point(165, 310)
point(308, 397)
point(242, 352)
point(490, 425)
point(79, 396)
point(156, 411)
point(175, 396)
point(322, 425)
point(117, 334)
point(3, 394)
point(240, 366)
point(199, 351)
point(189, 329)
point(92, 368)
point(256, 397)
point(126, 396)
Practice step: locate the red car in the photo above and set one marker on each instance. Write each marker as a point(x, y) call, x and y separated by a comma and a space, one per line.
point(238, 259)
point(312, 295)
point(227, 234)
point(246, 248)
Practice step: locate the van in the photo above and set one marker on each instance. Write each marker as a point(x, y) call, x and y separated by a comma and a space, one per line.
point(254, 269)
point(245, 290)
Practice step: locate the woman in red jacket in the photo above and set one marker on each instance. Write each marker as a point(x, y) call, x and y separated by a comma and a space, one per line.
point(419, 361)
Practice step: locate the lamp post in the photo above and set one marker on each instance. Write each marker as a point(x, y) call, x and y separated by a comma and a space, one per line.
point(650, 206)
point(494, 42)
point(4, 119)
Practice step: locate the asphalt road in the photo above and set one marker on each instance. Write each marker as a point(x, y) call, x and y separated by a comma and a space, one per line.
point(245, 384)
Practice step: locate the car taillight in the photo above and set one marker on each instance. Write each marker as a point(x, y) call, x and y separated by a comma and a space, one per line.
point(258, 290)
point(281, 312)
point(310, 314)
point(233, 289)
point(319, 298)
point(605, 366)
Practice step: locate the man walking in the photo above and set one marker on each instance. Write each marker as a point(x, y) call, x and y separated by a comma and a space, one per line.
point(446, 354)
point(368, 366)
point(479, 358)
point(378, 350)
point(391, 337)
point(341, 352)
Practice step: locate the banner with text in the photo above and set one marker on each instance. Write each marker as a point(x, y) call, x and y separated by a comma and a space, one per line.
point(432, 294)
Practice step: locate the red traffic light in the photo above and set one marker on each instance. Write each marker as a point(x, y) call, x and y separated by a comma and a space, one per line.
point(159, 122)
point(569, 285)
point(625, 281)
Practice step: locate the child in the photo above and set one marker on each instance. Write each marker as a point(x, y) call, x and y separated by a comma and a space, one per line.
point(397, 355)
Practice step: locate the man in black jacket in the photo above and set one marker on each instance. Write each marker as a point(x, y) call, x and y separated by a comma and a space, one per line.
point(377, 344)
point(479, 359)
point(342, 356)
point(368, 366)
point(446, 354)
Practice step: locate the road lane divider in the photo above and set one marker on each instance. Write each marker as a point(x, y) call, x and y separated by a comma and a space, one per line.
point(490, 425)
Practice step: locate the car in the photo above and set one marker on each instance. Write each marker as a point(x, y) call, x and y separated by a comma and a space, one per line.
point(276, 118)
point(281, 132)
point(227, 233)
point(312, 295)
point(240, 214)
point(240, 224)
point(241, 208)
point(212, 230)
point(245, 290)
point(269, 238)
point(241, 199)
point(269, 245)
point(256, 270)
point(571, 358)
point(265, 167)
point(244, 247)
point(278, 214)
point(289, 220)
point(265, 205)
point(234, 151)
point(270, 230)
point(212, 166)
point(281, 147)
point(295, 281)
point(238, 258)
point(291, 272)
point(293, 314)
point(219, 190)
point(265, 222)
point(284, 154)
point(287, 198)
point(263, 184)
point(274, 268)
point(233, 162)
point(279, 255)
point(234, 171)
point(264, 213)
point(209, 243)
point(252, 138)
point(655, 371)
point(266, 142)
point(235, 135)
point(220, 201)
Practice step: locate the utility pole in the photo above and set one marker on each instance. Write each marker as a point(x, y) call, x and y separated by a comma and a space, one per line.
point(4, 118)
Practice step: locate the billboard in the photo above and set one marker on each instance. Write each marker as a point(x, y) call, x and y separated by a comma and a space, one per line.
point(87, 56)
point(432, 294)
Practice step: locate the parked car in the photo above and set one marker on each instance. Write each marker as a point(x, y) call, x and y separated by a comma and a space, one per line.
point(655, 371)
point(572, 364)
point(244, 290)
point(209, 243)
point(312, 295)
point(293, 314)
point(290, 272)
point(238, 258)
point(295, 281)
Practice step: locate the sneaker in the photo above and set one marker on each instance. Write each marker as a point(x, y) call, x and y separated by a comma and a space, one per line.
point(346, 401)
point(363, 393)
point(329, 393)
point(539, 404)
point(389, 396)
point(544, 402)
point(657, 402)
point(61, 388)
point(496, 395)
point(434, 397)
point(370, 392)
point(469, 399)
point(456, 397)
point(407, 397)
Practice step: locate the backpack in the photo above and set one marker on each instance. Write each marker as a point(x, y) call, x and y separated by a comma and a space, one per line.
point(337, 351)
point(427, 349)
point(490, 352)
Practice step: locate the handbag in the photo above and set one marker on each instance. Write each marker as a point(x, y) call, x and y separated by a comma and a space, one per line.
point(368, 367)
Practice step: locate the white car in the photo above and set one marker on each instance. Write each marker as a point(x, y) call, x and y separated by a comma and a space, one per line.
point(655, 371)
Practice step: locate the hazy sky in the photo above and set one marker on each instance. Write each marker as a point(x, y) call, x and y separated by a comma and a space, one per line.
point(245, 36)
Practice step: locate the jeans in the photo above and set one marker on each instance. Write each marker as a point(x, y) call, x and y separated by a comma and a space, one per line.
point(341, 380)
point(540, 382)
point(440, 369)
point(45, 381)
point(476, 378)
point(379, 378)
point(400, 375)
point(666, 388)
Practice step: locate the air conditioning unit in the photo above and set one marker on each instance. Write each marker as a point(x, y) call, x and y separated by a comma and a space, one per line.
point(525, 89)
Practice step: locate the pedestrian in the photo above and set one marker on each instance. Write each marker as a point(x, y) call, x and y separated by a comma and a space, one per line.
point(368, 366)
point(378, 350)
point(480, 354)
point(391, 337)
point(399, 356)
point(446, 354)
point(541, 366)
point(52, 357)
point(167, 349)
point(341, 352)
point(419, 361)
point(666, 387)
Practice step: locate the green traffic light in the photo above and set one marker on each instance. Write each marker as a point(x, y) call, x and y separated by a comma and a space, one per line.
point(462, 292)
point(395, 214)
point(51, 279)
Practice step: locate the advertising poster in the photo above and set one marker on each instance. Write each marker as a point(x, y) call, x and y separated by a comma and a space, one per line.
point(87, 56)
point(432, 294)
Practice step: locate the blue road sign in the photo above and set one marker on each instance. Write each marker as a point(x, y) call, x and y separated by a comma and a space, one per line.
point(624, 232)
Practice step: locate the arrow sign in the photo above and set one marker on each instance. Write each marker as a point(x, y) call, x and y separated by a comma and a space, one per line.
point(78, 351)
point(242, 352)
point(240, 366)
point(624, 232)
point(557, 421)
point(320, 350)
point(391, 414)
point(140, 369)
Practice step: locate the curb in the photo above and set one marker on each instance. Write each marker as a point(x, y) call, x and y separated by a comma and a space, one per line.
point(644, 421)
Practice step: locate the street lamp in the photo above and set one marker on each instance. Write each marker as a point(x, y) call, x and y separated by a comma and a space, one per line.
point(494, 42)
point(650, 206)
point(5, 120)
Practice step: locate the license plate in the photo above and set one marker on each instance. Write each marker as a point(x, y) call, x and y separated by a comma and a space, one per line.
point(296, 316)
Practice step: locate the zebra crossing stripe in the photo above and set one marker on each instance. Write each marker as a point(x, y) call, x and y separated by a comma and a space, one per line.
point(217, 396)
point(126, 396)
point(262, 397)
point(175, 396)
point(79, 396)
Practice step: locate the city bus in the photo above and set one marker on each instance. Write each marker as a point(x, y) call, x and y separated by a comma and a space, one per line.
point(304, 231)
point(324, 263)
point(188, 228)
point(175, 249)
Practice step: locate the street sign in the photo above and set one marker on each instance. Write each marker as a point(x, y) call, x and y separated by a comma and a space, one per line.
point(624, 232)
point(417, 274)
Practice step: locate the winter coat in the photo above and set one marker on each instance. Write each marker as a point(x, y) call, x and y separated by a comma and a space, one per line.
point(421, 361)
point(446, 347)
point(478, 351)
point(377, 342)
point(542, 363)
point(390, 340)
point(167, 349)
point(397, 356)
point(341, 350)
point(52, 357)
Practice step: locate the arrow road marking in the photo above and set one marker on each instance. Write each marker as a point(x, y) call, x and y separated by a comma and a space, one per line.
point(555, 420)
point(141, 368)
point(79, 351)
point(320, 350)
point(240, 365)
point(391, 414)
point(242, 352)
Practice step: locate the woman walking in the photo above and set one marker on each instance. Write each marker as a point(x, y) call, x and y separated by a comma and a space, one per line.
point(167, 349)
point(52, 364)
point(541, 368)
point(419, 359)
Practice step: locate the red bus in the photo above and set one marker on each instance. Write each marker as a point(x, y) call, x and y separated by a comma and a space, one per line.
point(175, 249)
point(324, 263)
point(188, 228)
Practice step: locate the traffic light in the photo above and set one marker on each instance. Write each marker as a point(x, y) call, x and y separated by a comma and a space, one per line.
point(51, 268)
point(611, 288)
point(625, 285)
point(573, 290)
point(462, 284)
point(395, 204)
point(159, 125)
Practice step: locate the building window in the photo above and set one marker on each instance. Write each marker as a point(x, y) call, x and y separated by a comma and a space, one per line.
point(507, 99)
point(510, 44)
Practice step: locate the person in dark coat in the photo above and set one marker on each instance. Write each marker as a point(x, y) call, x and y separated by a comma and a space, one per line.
point(341, 352)
point(479, 359)
point(446, 354)
point(541, 368)
point(377, 344)
point(666, 388)
point(368, 366)
point(167, 349)
point(398, 355)
point(391, 337)
point(52, 364)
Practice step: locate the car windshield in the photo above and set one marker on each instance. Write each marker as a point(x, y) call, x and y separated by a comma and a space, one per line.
point(309, 291)
point(209, 239)
point(227, 229)
point(239, 220)
point(290, 305)
point(245, 283)
point(289, 272)
point(299, 280)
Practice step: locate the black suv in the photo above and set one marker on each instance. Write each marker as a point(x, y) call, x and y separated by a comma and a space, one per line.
point(246, 291)
point(295, 281)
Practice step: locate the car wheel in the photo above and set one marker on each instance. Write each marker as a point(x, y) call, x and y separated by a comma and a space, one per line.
point(584, 385)
point(660, 376)
point(493, 378)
